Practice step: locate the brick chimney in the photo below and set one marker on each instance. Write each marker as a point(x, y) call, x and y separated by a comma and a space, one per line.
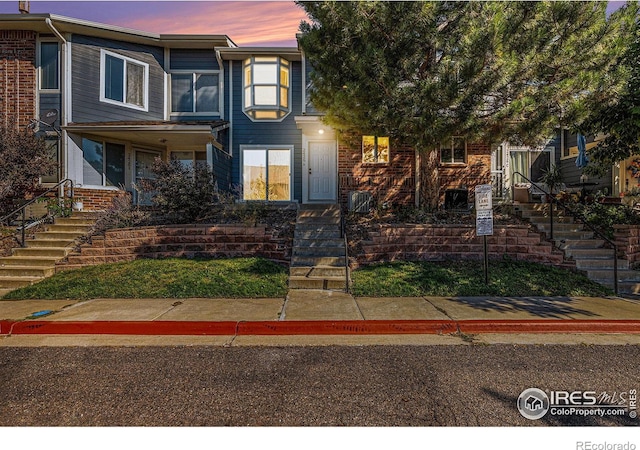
point(23, 7)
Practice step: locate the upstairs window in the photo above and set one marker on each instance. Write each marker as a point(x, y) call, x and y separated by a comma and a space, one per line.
point(49, 66)
point(123, 81)
point(266, 87)
point(375, 149)
point(195, 93)
point(453, 151)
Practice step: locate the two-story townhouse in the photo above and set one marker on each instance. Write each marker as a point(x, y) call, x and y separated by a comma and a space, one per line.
point(123, 97)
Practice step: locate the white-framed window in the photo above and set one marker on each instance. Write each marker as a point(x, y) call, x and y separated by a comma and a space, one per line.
point(266, 173)
point(375, 149)
point(195, 92)
point(453, 151)
point(103, 163)
point(267, 88)
point(49, 65)
point(124, 81)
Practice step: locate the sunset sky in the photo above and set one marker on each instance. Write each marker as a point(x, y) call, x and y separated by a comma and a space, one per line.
point(247, 23)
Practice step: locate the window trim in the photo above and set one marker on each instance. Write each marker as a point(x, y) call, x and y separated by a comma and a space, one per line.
point(453, 162)
point(194, 73)
point(39, 63)
point(266, 148)
point(376, 137)
point(127, 60)
point(250, 62)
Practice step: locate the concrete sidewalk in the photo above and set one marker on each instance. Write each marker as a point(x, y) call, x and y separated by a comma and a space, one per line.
point(316, 316)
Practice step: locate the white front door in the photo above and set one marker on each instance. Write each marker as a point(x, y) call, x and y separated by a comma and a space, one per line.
point(322, 171)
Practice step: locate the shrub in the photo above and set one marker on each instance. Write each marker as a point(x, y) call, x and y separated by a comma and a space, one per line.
point(182, 193)
point(24, 158)
point(122, 213)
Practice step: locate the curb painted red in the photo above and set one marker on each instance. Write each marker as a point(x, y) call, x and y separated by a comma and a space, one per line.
point(323, 327)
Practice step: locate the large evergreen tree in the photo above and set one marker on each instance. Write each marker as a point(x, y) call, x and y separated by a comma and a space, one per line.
point(618, 116)
point(424, 71)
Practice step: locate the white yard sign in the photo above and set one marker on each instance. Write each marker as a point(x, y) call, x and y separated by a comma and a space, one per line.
point(484, 199)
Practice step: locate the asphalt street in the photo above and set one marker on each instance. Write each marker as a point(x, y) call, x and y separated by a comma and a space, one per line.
point(472, 385)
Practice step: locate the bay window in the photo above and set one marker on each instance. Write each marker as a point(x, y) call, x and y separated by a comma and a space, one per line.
point(266, 87)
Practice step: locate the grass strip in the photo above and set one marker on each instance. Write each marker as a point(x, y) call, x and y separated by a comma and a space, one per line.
point(164, 278)
point(466, 278)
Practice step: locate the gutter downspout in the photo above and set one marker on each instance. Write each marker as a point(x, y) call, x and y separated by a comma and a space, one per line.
point(64, 78)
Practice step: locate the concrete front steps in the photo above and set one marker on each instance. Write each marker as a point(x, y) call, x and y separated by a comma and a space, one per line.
point(37, 260)
point(579, 244)
point(318, 259)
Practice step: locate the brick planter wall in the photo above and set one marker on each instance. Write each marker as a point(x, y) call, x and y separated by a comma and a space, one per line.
point(18, 77)
point(189, 241)
point(440, 242)
point(96, 199)
point(627, 239)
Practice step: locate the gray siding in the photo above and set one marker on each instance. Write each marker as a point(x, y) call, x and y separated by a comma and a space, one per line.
point(85, 64)
point(186, 59)
point(572, 173)
point(246, 132)
point(51, 101)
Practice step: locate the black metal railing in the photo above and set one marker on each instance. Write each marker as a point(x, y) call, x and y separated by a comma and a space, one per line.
point(343, 232)
point(21, 211)
point(551, 199)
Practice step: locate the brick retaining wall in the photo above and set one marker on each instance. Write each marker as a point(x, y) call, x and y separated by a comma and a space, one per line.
point(188, 241)
point(439, 242)
point(627, 238)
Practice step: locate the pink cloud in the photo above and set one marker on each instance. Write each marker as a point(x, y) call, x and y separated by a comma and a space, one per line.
point(247, 23)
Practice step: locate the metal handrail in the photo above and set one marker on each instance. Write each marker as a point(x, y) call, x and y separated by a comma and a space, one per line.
point(22, 209)
point(576, 215)
point(343, 232)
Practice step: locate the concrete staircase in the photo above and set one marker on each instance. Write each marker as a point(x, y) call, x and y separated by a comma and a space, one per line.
point(318, 257)
point(579, 244)
point(38, 258)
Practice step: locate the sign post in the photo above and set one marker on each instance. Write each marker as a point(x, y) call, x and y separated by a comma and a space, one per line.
point(484, 220)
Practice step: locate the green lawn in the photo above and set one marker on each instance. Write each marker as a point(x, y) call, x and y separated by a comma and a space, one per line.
point(164, 278)
point(466, 278)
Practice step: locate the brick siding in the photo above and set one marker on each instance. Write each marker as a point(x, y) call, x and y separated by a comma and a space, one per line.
point(96, 199)
point(476, 171)
point(17, 77)
point(392, 183)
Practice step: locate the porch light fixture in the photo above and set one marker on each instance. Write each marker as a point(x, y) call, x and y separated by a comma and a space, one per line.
point(320, 131)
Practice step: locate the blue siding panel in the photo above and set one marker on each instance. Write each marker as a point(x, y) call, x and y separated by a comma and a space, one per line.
point(188, 59)
point(222, 169)
point(247, 132)
point(86, 104)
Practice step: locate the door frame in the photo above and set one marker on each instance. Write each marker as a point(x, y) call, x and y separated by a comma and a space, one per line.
point(509, 173)
point(306, 141)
